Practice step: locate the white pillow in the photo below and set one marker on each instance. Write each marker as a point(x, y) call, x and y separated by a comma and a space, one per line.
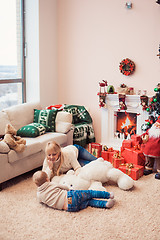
point(64, 117)
point(63, 127)
point(4, 147)
point(22, 114)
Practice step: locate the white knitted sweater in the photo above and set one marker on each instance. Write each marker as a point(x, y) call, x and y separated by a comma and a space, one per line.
point(70, 154)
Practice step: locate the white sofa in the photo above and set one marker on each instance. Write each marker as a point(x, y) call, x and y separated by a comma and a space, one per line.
point(12, 163)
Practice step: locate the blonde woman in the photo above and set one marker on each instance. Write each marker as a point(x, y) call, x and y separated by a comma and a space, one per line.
point(59, 160)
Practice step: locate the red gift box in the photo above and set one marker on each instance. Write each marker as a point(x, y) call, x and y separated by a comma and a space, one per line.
point(134, 171)
point(95, 149)
point(126, 144)
point(116, 162)
point(132, 155)
point(105, 155)
point(111, 153)
point(136, 139)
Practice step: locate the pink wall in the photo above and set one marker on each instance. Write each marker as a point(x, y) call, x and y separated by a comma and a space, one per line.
point(93, 37)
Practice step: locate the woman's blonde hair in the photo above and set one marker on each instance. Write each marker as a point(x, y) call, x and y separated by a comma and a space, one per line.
point(55, 147)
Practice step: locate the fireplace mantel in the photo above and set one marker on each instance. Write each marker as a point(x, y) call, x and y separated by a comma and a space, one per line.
point(108, 122)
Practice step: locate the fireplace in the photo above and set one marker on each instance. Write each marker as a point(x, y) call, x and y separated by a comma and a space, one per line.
point(118, 125)
point(126, 124)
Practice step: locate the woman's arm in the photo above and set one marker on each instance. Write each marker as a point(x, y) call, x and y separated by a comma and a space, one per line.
point(47, 167)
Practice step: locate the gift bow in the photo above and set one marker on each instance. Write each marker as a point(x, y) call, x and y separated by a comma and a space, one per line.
point(129, 166)
point(110, 149)
point(117, 155)
point(137, 147)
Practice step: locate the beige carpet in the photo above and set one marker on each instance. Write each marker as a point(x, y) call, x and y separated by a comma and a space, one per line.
point(135, 216)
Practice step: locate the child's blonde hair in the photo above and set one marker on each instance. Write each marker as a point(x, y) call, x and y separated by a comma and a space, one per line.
point(39, 178)
point(55, 147)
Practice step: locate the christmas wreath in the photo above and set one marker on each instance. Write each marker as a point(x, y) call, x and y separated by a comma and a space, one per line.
point(127, 66)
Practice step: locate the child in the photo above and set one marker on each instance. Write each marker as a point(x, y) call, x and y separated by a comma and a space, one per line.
point(60, 197)
point(59, 160)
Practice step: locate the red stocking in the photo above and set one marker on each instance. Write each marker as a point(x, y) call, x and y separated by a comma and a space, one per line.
point(122, 103)
point(144, 102)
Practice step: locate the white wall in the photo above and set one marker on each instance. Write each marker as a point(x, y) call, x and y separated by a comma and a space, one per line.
point(93, 37)
point(41, 61)
point(48, 51)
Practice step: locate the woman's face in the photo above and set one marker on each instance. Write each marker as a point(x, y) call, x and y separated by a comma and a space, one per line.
point(52, 155)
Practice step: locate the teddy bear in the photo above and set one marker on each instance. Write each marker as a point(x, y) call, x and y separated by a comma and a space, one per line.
point(93, 175)
point(14, 142)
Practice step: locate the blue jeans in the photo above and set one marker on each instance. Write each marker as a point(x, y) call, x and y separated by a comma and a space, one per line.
point(80, 199)
point(84, 156)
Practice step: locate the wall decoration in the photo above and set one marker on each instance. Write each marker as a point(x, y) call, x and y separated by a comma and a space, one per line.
point(110, 89)
point(128, 5)
point(144, 102)
point(102, 93)
point(127, 67)
point(124, 89)
point(122, 103)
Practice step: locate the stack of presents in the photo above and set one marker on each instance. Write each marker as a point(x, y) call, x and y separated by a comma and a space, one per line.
point(130, 159)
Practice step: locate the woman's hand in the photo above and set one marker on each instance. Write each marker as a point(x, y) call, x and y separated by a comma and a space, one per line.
point(50, 164)
point(77, 171)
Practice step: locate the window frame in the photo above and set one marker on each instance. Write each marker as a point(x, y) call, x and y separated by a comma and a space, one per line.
point(23, 79)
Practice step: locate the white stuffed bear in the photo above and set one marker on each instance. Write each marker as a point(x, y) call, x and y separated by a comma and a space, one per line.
point(93, 174)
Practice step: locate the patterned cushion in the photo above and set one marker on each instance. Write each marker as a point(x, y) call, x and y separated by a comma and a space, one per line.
point(46, 117)
point(31, 130)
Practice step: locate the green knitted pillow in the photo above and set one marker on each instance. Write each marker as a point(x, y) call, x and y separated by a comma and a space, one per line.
point(31, 130)
point(46, 117)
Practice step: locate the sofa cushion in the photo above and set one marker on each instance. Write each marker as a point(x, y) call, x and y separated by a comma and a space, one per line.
point(45, 117)
point(4, 120)
point(63, 127)
point(4, 147)
point(60, 138)
point(31, 130)
point(31, 148)
point(22, 114)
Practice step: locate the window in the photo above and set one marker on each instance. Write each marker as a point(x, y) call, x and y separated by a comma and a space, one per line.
point(12, 74)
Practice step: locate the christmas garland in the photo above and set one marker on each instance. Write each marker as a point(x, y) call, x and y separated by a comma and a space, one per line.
point(127, 66)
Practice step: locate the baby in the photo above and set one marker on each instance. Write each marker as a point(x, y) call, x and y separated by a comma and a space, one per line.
point(60, 197)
